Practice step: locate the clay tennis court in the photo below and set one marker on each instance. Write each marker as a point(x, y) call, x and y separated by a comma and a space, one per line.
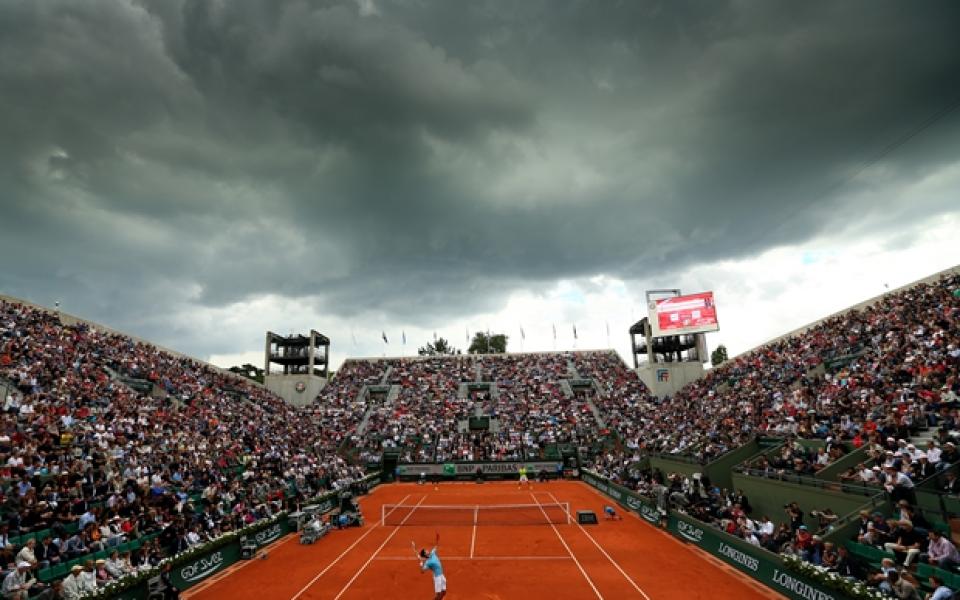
point(484, 558)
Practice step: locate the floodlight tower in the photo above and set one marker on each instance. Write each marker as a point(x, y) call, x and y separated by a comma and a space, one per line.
point(303, 362)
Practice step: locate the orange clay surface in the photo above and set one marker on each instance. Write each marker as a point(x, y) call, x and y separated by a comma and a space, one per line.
point(611, 561)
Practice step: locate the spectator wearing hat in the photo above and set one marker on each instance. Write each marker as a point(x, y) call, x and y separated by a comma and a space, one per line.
point(17, 583)
point(923, 469)
point(88, 578)
point(73, 584)
point(950, 453)
point(100, 571)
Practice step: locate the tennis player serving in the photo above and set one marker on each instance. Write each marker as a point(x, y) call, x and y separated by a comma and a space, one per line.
point(430, 560)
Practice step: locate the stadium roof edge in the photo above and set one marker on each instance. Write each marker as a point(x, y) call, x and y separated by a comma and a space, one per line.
point(533, 353)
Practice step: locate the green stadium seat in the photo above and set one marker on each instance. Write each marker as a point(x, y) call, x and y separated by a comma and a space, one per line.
point(45, 575)
point(59, 571)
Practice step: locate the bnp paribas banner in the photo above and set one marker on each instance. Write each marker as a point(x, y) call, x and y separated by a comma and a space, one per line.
point(756, 562)
point(489, 468)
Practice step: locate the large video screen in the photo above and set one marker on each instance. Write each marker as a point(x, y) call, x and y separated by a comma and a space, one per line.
point(693, 313)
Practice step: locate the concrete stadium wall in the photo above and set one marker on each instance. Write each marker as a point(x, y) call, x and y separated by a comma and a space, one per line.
point(719, 471)
point(285, 386)
point(666, 379)
point(768, 496)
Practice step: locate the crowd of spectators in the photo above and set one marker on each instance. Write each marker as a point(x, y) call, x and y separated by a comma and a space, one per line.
point(89, 462)
point(426, 419)
point(863, 377)
point(340, 407)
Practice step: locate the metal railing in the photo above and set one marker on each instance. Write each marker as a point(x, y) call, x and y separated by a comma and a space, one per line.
point(862, 489)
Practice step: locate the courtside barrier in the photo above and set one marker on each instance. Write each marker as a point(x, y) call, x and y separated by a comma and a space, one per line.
point(764, 566)
point(201, 562)
point(468, 470)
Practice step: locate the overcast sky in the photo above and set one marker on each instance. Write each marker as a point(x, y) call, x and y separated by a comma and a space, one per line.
point(197, 172)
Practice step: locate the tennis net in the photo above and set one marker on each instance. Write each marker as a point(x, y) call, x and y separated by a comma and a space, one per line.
point(469, 515)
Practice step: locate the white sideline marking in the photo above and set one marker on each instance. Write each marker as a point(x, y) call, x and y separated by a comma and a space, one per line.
point(404, 558)
point(569, 551)
point(377, 551)
point(610, 558)
point(473, 538)
point(337, 559)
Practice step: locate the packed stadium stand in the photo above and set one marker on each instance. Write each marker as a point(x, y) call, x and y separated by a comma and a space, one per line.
point(108, 443)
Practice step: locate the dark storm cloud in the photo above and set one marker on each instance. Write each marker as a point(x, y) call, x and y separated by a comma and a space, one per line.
point(423, 159)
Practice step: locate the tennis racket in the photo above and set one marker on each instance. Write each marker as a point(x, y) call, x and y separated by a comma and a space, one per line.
point(414, 546)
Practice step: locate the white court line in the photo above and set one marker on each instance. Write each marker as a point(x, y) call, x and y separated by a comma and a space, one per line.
point(481, 558)
point(473, 538)
point(569, 551)
point(610, 558)
point(337, 559)
point(377, 551)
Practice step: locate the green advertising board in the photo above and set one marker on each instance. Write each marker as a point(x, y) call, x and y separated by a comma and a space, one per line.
point(271, 534)
point(466, 470)
point(758, 563)
point(196, 570)
point(763, 566)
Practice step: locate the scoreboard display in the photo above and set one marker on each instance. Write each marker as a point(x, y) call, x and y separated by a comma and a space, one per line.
point(679, 315)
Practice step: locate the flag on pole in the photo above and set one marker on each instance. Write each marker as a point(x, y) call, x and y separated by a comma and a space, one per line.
point(468, 335)
point(383, 334)
point(554, 331)
point(434, 336)
point(404, 334)
point(354, 336)
point(523, 335)
point(608, 328)
point(574, 331)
